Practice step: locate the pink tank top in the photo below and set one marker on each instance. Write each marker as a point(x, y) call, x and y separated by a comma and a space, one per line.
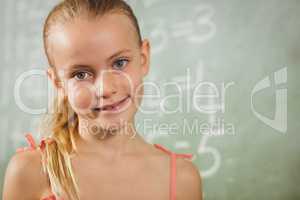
point(173, 156)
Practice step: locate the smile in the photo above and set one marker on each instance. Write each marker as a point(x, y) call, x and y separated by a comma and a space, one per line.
point(115, 107)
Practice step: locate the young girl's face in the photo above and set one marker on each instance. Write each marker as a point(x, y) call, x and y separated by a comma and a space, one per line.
point(100, 62)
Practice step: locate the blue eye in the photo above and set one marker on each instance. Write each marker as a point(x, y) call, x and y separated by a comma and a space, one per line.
point(120, 63)
point(81, 75)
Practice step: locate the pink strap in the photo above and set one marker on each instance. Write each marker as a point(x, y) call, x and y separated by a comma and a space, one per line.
point(173, 168)
point(51, 197)
point(163, 148)
point(182, 155)
point(31, 143)
point(173, 177)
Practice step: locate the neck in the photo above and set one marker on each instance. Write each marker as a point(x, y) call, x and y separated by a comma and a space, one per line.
point(113, 143)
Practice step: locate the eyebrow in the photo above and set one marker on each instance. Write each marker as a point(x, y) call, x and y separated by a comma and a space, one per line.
point(118, 53)
point(87, 67)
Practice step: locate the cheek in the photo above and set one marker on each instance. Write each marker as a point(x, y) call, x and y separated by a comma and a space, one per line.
point(132, 81)
point(80, 97)
point(137, 86)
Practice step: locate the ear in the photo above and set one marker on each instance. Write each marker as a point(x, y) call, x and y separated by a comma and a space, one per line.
point(145, 53)
point(54, 78)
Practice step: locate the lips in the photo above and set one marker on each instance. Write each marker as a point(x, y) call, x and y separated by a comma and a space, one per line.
point(110, 106)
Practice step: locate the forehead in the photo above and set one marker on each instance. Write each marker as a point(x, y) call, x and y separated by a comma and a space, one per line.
point(84, 39)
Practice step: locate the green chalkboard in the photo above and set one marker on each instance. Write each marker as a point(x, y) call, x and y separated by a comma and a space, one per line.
point(228, 88)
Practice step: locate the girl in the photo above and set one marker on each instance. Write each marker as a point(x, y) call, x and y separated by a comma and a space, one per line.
point(97, 64)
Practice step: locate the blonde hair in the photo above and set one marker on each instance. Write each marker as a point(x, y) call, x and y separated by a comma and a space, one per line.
point(62, 124)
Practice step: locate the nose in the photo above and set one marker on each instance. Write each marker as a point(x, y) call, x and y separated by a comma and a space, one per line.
point(106, 85)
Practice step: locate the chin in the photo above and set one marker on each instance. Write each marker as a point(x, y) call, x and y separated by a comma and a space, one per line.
point(104, 128)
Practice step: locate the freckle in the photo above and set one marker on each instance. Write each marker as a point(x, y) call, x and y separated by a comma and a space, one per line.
point(83, 98)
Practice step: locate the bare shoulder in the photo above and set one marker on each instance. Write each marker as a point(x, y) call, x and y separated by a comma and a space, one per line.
point(24, 177)
point(188, 178)
point(189, 183)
